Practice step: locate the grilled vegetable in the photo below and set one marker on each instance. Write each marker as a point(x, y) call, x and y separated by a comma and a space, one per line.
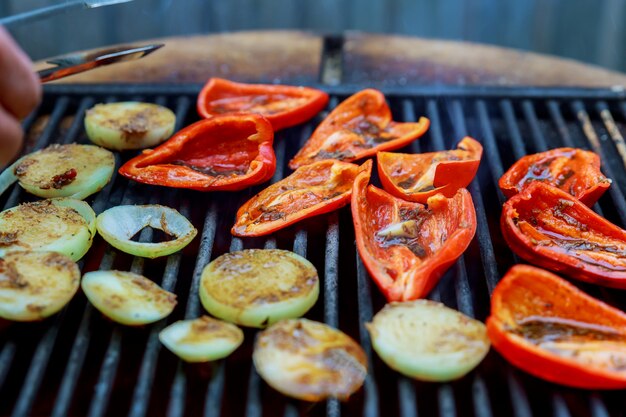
point(357, 128)
point(129, 125)
point(61, 225)
point(428, 341)
point(282, 105)
point(574, 171)
point(257, 287)
point(201, 340)
point(73, 170)
point(415, 177)
point(223, 153)
point(35, 285)
point(551, 329)
point(309, 360)
point(118, 225)
point(127, 298)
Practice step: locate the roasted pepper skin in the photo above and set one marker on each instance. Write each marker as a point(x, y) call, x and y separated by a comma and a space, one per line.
point(573, 170)
point(405, 246)
point(533, 311)
point(550, 228)
point(398, 172)
point(311, 190)
point(283, 105)
point(224, 153)
point(357, 128)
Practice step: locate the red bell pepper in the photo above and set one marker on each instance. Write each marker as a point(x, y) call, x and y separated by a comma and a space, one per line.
point(406, 246)
point(550, 228)
point(416, 177)
point(314, 189)
point(229, 152)
point(572, 170)
point(357, 128)
point(282, 105)
point(549, 328)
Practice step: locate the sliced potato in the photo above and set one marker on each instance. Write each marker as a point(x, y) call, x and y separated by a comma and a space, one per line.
point(119, 224)
point(61, 225)
point(310, 361)
point(73, 170)
point(428, 341)
point(35, 285)
point(129, 125)
point(257, 287)
point(201, 340)
point(127, 298)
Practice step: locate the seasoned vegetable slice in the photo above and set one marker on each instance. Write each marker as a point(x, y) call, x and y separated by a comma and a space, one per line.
point(35, 285)
point(129, 125)
point(201, 340)
point(310, 361)
point(73, 170)
point(61, 225)
point(257, 287)
point(127, 298)
point(119, 224)
point(428, 341)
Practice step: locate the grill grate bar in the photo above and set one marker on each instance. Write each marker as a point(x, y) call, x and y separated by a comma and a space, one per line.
point(215, 390)
point(611, 127)
point(519, 398)
point(6, 359)
point(557, 118)
point(445, 398)
point(331, 286)
point(77, 123)
point(481, 398)
point(407, 397)
point(535, 129)
point(517, 142)
point(492, 155)
point(559, 406)
point(597, 406)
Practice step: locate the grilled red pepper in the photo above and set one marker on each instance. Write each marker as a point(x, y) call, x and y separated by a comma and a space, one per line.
point(282, 105)
point(549, 328)
point(572, 170)
point(229, 152)
point(550, 228)
point(406, 246)
point(416, 177)
point(358, 127)
point(314, 189)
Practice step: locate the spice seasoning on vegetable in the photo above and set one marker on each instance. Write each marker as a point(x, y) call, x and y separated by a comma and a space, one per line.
point(550, 329)
point(311, 190)
point(416, 177)
point(357, 128)
point(549, 228)
point(229, 152)
point(574, 171)
point(282, 105)
point(406, 246)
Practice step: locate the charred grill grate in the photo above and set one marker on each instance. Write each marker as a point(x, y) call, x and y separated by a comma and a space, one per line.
point(78, 363)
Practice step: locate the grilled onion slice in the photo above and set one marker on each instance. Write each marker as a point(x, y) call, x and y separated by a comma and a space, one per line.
point(118, 225)
point(129, 125)
point(35, 285)
point(309, 360)
point(257, 287)
point(428, 341)
point(201, 340)
point(61, 225)
point(73, 170)
point(127, 298)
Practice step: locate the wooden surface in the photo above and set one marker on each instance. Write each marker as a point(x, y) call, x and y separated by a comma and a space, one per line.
point(374, 60)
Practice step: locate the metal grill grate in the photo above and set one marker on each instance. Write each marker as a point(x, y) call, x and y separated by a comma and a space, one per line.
point(78, 363)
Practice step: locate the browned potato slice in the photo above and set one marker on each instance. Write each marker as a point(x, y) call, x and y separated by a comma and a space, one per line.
point(35, 285)
point(310, 361)
point(257, 287)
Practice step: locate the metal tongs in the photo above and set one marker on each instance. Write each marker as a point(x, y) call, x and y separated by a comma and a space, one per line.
point(84, 61)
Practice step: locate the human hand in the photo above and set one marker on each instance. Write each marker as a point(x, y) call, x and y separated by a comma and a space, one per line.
point(20, 92)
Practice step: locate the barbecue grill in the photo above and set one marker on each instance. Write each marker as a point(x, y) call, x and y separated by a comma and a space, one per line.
point(79, 363)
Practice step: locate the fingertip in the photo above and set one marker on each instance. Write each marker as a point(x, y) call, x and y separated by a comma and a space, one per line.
point(11, 137)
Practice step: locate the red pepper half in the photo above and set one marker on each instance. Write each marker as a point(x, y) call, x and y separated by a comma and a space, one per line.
point(229, 152)
point(282, 105)
point(549, 328)
point(550, 228)
point(416, 177)
point(406, 246)
point(314, 189)
point(358, 127)
point(575, 171)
